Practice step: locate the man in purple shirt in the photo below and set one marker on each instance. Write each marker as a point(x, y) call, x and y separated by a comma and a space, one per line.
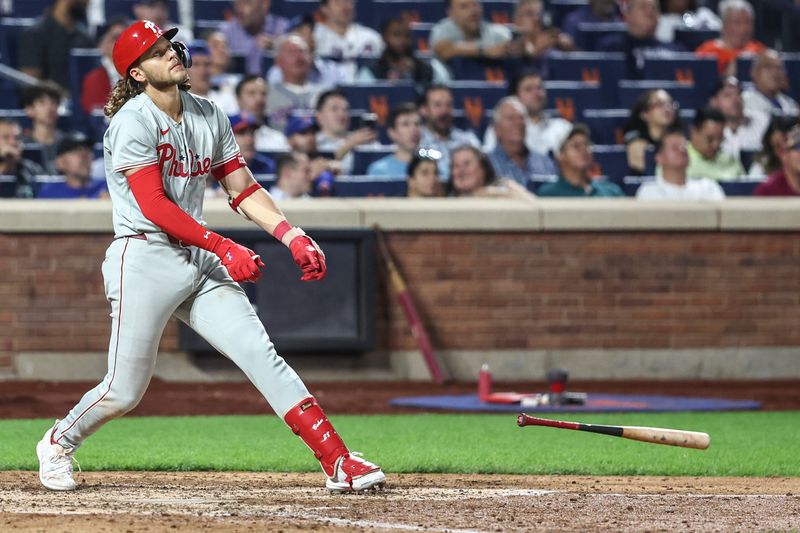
point(253, 30)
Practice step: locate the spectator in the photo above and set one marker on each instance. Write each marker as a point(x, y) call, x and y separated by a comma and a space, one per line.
point(43, 49)
point(398, 61)
point(333, 118)
point(200, 77)
point(542, 133)
point(706, 159)
point(438, 132)
point(338, 37)
point(404, 131)
point(742, 132)
point(464, 33)
point(537, 37)
point(575, 164)
point(673, 184)
point(252, 30)
point(251, 97)
point(302, 135)
point(786, 180)
point(295, 92)
point(293, 177)
point(768, 159)
point(642, 17)
point(684, 14)
point(736, 37)
point(766, 98)
point(326, 73)
point(472, 174)
point(12, 163)
point(597, 11)
point(41, 105)
point(74, 162)
point(423, 177)
point(219, 53)
point(244, 128)
point(96, 86)
point(157, 11)
point(511, 158)
point(652, 114)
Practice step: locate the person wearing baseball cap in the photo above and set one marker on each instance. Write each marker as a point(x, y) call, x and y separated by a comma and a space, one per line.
point(244, 127)
point(74, 162)
point(786, 180)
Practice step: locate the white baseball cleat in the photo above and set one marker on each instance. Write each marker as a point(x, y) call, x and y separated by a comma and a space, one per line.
point(354, 474)
point(55, 464)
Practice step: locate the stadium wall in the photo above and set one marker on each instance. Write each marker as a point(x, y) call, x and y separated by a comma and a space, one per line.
point(607, 288)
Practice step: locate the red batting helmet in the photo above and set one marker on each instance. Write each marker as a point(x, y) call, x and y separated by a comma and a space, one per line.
point(134, 41)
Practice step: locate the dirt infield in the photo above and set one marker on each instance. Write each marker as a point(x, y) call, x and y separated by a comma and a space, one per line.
point(143, 501)
point(52, 400)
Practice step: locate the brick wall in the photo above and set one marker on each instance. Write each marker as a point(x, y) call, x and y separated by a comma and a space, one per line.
point(480, 291)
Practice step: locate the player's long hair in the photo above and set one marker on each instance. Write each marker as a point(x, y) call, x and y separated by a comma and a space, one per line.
point(126, 89)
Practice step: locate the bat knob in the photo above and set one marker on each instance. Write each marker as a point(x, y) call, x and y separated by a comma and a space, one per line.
point(521, 420)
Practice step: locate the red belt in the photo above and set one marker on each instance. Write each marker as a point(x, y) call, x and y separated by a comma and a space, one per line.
point(172, 240)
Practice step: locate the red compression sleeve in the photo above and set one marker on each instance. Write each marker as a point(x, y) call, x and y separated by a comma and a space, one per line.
point(148, 189)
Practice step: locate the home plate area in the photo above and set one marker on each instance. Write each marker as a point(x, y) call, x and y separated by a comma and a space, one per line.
point(212, 501)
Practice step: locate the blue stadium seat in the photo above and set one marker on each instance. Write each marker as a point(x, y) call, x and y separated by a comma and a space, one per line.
point(691, 39)
point(605, 68)
point(739, 188)
point(10, 28)
point(33, 152)
point(125, 8)
point(213, 9)
point(499, 11)
point(612, 161)
point(475, 99)
point(684, 94)
point(589, 33)
point(97, 125)
point(379, 97)
point(420, 35)
point(9, 97)
point(360, 186)
point(570, 98)
point(685, 68)
point(81, 61)
point(296, 8)
point(559, 9)
point(8, 186)
point(478, 69)
point(27, 8)
point(631, 184)
point(204, 25)
point(363, 158)
point(410, 10)
point(606, 125)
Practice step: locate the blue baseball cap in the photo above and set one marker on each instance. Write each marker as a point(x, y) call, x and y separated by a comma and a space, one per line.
point(299, 125)
point(199, 47)
point(243, 121)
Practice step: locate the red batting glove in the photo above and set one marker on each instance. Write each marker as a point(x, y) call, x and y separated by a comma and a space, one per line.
point(308, 257)
point(242, 262)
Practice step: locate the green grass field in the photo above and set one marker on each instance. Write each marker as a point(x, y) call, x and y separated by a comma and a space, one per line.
point(742, 444)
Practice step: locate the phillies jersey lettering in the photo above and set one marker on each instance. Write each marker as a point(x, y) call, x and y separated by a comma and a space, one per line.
point(186, 152)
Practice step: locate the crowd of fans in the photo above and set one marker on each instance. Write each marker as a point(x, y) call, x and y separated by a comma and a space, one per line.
point(279, 81)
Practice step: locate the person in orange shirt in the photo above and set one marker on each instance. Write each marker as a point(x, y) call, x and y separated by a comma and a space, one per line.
point(736, 37)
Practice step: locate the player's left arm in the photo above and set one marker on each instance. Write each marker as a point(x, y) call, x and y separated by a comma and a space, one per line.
point(252, 201)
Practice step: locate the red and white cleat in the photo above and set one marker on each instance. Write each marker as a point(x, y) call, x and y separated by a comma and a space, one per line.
point(354, 474)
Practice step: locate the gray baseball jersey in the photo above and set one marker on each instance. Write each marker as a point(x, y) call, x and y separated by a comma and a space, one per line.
point(187, 152)
point(150, 278)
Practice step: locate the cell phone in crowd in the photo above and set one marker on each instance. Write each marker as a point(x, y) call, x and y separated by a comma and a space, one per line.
point(369, 120)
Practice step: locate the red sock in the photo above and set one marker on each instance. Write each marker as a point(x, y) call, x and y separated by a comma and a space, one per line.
point(309, 422)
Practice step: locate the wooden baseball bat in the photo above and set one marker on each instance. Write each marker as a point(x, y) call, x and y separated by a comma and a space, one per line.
point(671, 437)
point(406, 301)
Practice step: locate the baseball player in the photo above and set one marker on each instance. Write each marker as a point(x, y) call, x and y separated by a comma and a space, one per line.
point(160, 147)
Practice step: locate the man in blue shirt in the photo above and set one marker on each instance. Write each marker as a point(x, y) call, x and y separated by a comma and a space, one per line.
point(74, 162)
point(575, 161)
point(511, 158)
point(405, 132)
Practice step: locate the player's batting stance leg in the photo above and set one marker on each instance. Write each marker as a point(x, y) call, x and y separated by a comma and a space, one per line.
point(161, 146)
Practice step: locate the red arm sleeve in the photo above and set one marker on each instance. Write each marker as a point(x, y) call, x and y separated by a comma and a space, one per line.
point(148, 189)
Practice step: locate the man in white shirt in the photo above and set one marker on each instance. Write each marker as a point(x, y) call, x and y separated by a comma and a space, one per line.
point(464, 33)
point(339, 37)
point(742, 132)
point(542, 133)
point(673, 159)
point(296, 92)
point(765, 98)
point(293, 177)
point(438, 133)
